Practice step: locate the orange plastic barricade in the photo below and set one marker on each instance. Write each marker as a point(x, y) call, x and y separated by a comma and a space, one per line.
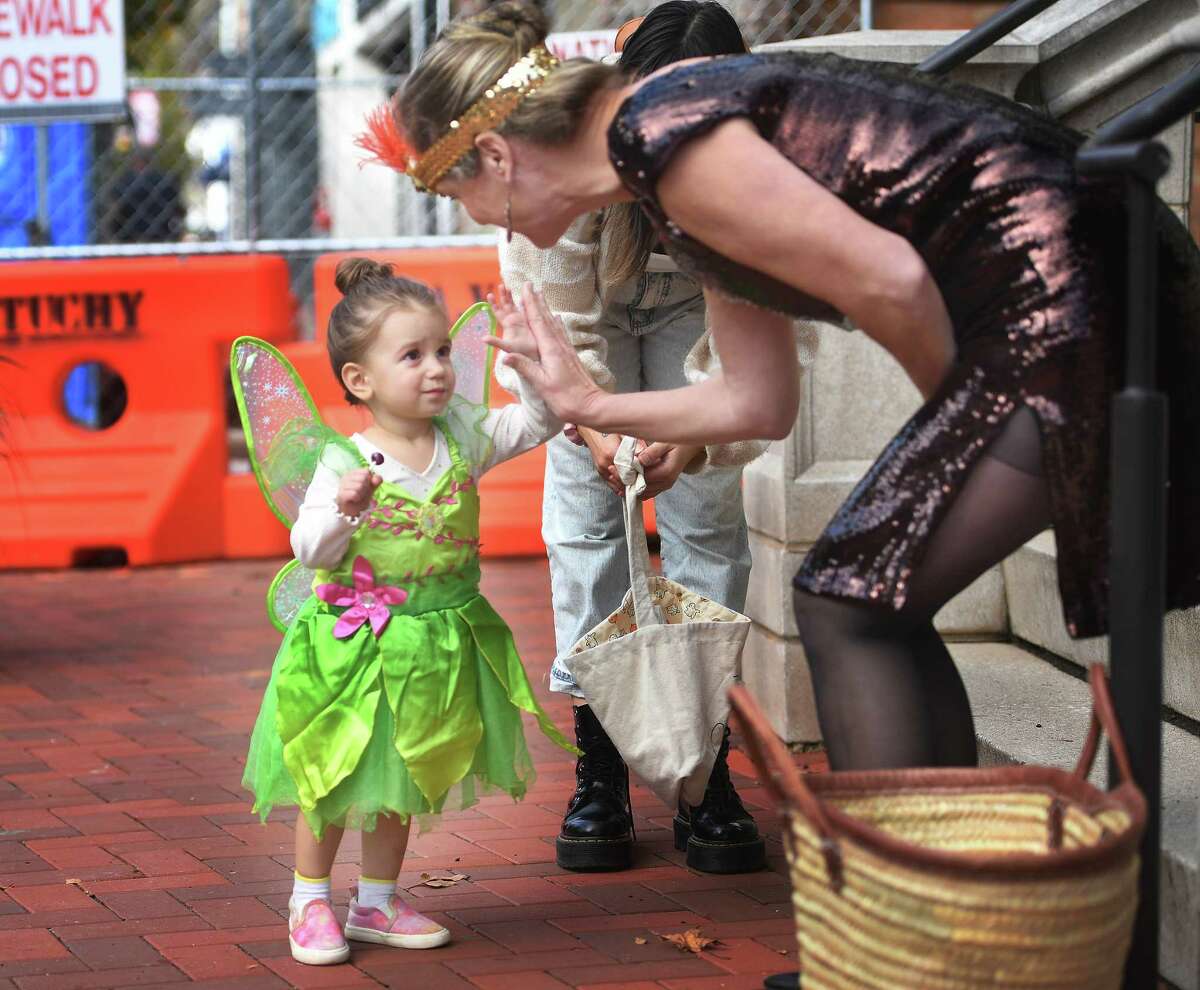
point(152, 486)
point(510, 494)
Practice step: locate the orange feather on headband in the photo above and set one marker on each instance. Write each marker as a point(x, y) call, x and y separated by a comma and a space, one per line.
point(383, 141)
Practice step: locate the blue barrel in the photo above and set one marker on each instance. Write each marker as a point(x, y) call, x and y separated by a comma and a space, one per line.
point(69, 196)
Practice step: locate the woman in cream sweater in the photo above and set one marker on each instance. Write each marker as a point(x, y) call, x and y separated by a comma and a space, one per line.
point(637, 324)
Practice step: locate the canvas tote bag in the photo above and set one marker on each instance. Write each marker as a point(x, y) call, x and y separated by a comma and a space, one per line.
point(657, 671)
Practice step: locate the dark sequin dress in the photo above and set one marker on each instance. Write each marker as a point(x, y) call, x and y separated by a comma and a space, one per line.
point(1029, 258)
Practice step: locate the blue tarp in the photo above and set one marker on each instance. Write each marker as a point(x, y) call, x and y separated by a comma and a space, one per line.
point(325, 26)
point(68, 196)
point(81, 394)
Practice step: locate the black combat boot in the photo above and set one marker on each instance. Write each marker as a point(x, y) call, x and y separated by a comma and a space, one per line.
point(597, 832)
point(718, 833)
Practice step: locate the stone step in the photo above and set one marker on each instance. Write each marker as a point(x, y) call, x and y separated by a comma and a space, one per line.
point(1028, 711)
point(1035, 615)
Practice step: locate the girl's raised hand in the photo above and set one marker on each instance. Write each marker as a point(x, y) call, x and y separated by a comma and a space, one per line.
point(355, 491)
point(537, 349)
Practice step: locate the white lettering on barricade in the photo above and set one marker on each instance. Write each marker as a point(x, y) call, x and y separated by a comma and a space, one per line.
point(61, 58)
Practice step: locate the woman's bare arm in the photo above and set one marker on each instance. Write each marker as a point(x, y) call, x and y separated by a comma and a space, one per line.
point(755, 396)
point(735, 193)
point(732, 191)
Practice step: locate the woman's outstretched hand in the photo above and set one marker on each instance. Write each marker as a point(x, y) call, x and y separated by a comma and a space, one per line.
point(536, 348)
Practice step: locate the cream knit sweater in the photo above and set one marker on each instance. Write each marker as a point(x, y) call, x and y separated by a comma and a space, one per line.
point(571, 278)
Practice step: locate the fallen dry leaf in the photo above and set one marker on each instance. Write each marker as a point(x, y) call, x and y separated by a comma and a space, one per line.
point(690, 941)
point(74, 881)
point(639, 941)
point(428, 880)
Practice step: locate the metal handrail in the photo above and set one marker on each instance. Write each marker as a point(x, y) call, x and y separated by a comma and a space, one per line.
point(1154, 114)
point(1004, 21)
point(1137, 566)
point(1137, 554)
point(1125, 148)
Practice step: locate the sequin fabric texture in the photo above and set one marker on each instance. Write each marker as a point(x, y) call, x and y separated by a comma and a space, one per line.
point(1029, 258)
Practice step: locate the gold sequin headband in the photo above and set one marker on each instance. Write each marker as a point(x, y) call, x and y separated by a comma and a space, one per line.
point(387, 145)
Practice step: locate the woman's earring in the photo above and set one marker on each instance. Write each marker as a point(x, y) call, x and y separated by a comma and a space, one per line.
point(508, 217)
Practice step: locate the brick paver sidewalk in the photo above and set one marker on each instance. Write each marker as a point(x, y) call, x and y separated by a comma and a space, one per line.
point(128, 856)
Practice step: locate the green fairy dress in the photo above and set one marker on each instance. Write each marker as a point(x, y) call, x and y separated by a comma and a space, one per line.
point(397, 688)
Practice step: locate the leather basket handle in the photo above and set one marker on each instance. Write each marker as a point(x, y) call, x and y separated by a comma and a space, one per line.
point(779, 775)
point(1104, 717)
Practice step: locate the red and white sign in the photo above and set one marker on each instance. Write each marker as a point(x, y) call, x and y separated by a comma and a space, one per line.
point(581, 44)
point(60, 56)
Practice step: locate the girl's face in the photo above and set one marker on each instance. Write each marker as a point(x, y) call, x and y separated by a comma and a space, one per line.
point(407, 372)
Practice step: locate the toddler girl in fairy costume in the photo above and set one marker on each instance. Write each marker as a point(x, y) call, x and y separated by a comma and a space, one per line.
point(397, 690)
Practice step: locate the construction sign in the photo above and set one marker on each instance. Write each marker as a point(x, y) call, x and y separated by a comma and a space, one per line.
point(62, 59)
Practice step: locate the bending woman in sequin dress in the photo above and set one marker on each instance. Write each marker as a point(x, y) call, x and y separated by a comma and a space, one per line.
point(946, 223)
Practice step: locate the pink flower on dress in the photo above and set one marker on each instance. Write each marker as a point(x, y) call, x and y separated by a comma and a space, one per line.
point(365, 602)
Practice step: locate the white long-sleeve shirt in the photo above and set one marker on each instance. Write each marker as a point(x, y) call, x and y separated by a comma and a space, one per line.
point(321, 534)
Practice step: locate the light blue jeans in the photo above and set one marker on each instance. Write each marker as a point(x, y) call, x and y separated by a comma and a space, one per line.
point(650, 325)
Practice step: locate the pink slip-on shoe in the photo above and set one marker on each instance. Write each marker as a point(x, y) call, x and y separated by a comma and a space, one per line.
point(398, 925)
point(315, 936)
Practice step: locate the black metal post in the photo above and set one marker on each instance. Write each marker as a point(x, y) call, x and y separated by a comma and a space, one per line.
point(1139, 453)
point(251, 124)
point(1139, 456)
point(963, 49)
point(1138, 530)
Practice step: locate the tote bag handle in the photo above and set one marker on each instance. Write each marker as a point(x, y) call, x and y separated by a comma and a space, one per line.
point(640, 572)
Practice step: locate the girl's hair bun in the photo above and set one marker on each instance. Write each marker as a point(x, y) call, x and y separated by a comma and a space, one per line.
point(354, 272)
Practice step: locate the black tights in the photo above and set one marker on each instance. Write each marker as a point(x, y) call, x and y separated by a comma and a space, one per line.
point(888, 693)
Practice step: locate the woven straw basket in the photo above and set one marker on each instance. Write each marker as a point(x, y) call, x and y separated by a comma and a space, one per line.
point(957, 879)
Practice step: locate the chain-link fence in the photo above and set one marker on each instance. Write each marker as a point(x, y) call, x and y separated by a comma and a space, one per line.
point(240, 126)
